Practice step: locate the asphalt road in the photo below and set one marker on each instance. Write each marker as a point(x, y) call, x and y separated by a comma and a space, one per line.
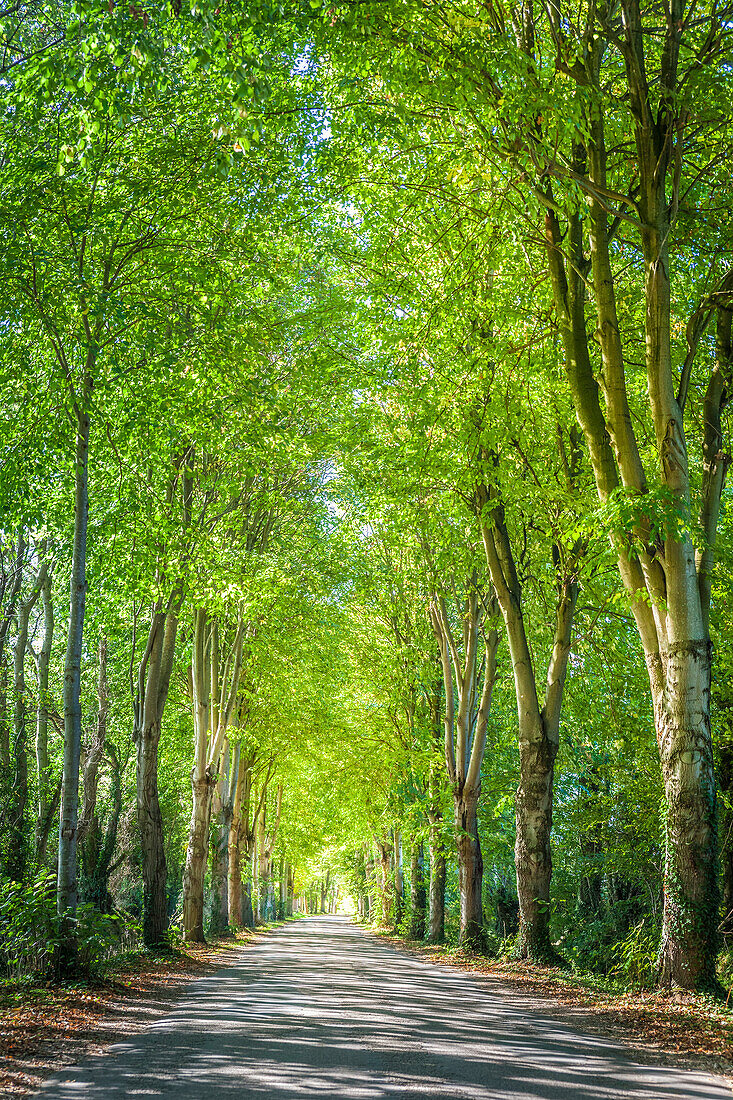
point(319, 1009)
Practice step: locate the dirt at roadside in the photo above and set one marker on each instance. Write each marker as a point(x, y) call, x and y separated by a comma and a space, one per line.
point(676, 1029)
point(43, 1029)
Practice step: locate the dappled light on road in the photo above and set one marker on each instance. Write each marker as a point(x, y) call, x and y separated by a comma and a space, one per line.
point(319, 1009)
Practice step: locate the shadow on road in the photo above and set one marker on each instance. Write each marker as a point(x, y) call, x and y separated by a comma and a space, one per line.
point(319, 1009)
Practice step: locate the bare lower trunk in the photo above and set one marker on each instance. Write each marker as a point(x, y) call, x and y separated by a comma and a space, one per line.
point(150, 825)
point(97, 841)
point(42, 712)
point(220, 876)
point(682, 715)
point(290, 888)
point(419, 898)
point(533, 857)
point(195, 870)
point(726, 833)
point(17, 859)
point(385, 881)
point(436, 925)
point(399, 890)
point(248, 916)
point(234, 895)
point(67, 889)
point(436, 916)
point(470, 870)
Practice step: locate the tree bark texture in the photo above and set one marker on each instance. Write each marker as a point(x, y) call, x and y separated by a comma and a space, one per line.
point(97, 844)
point(465, 735)
point(418, 892)
point(18, 852)
point(384, 850)
point(11, 580)
point(436, 918)
point(153, 682)
point(538, 725)
point(43, 771)
point(470, 871)
point(67, 888)
point(215, 686)
point(436, 927)
point(399, 887)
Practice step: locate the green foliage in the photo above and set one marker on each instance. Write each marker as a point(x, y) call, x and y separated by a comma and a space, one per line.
point(30, 932)
point(636, 956)
point(29, 928)
point(297, 256)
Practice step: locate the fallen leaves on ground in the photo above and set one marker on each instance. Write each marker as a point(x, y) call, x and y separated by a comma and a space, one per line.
point(44, 1028)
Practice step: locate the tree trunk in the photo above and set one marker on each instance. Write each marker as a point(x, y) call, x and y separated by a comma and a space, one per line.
point(291, 890)
point(97, 848)
point(690, 930)
point(17, 860)
point(150, 695)
point(67, 889)
point(539, 729)
point(194, 872)
point(399, 888)
point(234, 895)
point(725, 778)
point(470, 870)
point(532, 853)
point(220, 872)
point(436, 928)
point(417, 923)
point(153, 680)
point(465, 738)
point(385, 852)
point(203, 779)
point(436, 918)
point(261, 894)
point(150, 826)
point(248, 915)
point(43, 771)
point(6, 620)
point(370, 868)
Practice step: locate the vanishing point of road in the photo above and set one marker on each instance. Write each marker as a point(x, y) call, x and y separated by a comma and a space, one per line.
point(318, 1008)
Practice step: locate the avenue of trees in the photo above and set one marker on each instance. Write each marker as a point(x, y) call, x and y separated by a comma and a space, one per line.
point(364, 525)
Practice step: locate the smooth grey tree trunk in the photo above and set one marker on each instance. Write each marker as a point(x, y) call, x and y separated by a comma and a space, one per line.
point(419, 893)
point(67, 886)
point(43, 771)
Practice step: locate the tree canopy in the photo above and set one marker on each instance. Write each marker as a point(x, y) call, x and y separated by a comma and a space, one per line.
point(364, 534)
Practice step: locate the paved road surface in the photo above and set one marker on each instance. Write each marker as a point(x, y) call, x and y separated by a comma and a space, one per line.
point(319, 1009)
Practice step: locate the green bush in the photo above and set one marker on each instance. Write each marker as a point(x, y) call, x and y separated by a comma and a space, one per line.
point(30, 932)
point(100, 936)
point(29, 928)
point(636, 955)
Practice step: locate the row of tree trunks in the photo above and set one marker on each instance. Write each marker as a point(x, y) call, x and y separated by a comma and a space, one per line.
point(538, 724)
point(666, 576)
point(97, 843)
point(214, 691)
point(150, 694)
point(465, 733)
point(67, 894)
point(18, 853)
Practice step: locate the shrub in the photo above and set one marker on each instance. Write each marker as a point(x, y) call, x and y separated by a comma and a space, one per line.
point(29, 928)
point(636, 955)
point(30, 932)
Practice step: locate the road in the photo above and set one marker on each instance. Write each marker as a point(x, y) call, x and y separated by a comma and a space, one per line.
point(318, 1008)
